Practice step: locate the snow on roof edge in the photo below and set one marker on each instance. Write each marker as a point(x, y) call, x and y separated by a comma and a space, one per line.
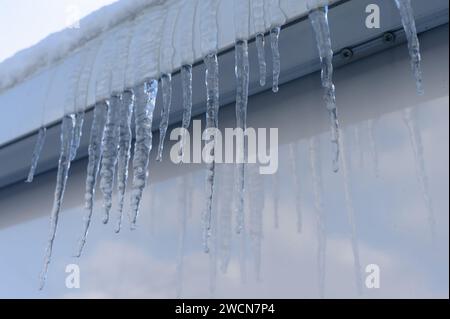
point(59, 45)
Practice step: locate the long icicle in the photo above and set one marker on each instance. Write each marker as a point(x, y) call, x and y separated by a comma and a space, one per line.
point(212, 123)
point(36, 153)
point(166, 87)
point(316, 171)
point(409, 116)
point(109, 146)
point(95, 154)
point(143, 114)
point(409, 25)
point(277, 18)
point(67, 131)
point(242, 71)
point(319, 21)
point(260, 47)
point(42, 133)
point(125, 136)
point(276, 60)
point(186, 87)
point(351, 218)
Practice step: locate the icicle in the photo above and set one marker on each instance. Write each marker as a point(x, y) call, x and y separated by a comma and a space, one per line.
point(209, 46)
point(316, 171)
point(256, 205)
point(276, 61)
point(109, 146)
point(42, 134)
point(293, 152)
point(259, 25)
point(319, 21)
point(212, 122)
point(36, 153)
point(143, 114)
point(409, 25)
point(260, 47)
point(166, 87)
point(351, 218)
point(125, 136)
point(67, 131)
point(373, 146)
point(409, 117)
point(95, 154)
point(186, 86)
point(277, 19)
point(242, 71)
point(76, 138)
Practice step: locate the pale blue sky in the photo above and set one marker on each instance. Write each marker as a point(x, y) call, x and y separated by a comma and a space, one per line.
point(23, 23)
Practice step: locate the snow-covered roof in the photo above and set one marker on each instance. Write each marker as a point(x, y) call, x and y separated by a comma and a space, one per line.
point(117, 47)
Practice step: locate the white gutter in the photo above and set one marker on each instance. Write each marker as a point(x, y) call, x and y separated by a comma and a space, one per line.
point(298, 58)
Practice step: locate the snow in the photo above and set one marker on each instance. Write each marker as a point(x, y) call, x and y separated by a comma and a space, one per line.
point(59, 45)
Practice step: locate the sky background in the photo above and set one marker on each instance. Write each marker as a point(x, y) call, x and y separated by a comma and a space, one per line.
point(23, 23)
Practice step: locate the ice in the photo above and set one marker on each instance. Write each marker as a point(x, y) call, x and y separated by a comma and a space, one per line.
point(67, 132)
point(259, 26)
point(125, 136)
point(409, 25)
point(186, 86)
point(143, 114)
point(36, 153)
point(276, 60)
point(319, 21)
point(95, 154)
point(212, 123)
point(76, 138)
point(110, 143)
point(166, 87)
point(242, 71)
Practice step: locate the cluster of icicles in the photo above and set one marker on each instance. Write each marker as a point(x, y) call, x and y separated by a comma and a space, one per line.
point(111, 136)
